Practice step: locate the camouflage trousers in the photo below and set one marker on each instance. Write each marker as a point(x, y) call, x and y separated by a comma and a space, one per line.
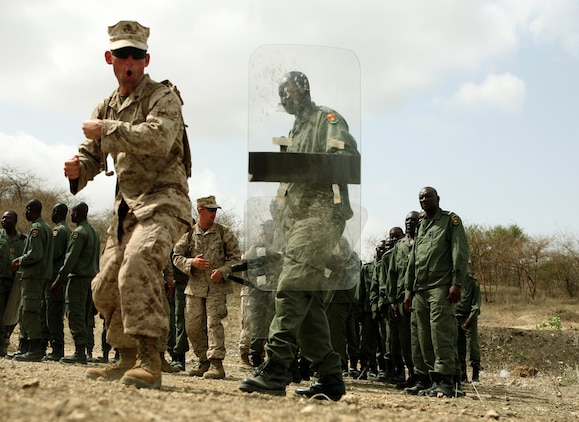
point(129, 289)
point(203, 324)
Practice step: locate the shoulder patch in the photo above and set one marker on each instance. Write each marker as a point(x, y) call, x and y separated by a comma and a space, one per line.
point(34, 233)
point(332, 118)
point(455, 219)
point(75, 234)
point(55, 232)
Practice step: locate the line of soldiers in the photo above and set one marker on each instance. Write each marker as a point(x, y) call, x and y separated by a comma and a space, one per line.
point(43, 275)
point(404, 322)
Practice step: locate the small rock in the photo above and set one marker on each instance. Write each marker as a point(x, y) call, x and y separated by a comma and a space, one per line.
point(35, 383)
point(492, 414)
point(309, 409)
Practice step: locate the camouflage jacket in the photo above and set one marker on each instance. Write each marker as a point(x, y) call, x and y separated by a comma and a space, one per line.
point(219, 246)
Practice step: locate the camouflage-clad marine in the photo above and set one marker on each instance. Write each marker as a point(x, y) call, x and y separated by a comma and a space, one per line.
point(54, 300)
point(11, 246)
point(141, 127)
point(436, 271)
point(35, 264)
point(207, 253)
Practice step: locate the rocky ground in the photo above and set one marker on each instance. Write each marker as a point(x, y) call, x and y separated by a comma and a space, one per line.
point(516, 340)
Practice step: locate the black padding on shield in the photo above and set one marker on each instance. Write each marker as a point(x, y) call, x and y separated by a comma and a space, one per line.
point(300, 167)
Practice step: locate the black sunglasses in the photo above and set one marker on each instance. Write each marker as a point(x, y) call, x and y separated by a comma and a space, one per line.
point(125, 52)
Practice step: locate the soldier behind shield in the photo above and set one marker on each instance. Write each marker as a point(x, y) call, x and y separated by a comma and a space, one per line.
point(314, 216)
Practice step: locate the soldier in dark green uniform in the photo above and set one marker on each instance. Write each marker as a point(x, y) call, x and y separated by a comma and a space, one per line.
point(467, 312)
point(81, 264)
point(35, 264)
point(11, 246)
point(54, 300)
point(436, 271)
point(395, 290)
point(315, 216)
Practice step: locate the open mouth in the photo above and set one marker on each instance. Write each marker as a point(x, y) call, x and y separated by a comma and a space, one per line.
point(129, 73)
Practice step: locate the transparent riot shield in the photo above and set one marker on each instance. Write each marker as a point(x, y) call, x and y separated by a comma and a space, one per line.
point(303, 217)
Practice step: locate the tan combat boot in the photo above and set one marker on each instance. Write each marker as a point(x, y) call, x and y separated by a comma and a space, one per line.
point(115, 371)
point(148, 373)
point(216, 370)
point(203, 367)
point(244, 362)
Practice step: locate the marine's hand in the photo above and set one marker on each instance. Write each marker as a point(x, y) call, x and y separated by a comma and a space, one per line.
point(92, 128)
point(72, 168)
point(467, 323)
point(216, 275)
point(15, 264)
point(453, 294)
point(200, 263)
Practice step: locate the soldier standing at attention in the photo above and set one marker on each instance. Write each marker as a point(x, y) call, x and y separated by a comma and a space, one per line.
point(315, 216)
point(140, 125)
point(11, 246)
point(35, 265)
point(436, 271)
point(80, 265)
point(54, 299)
point(207, 253)
point(467, 312)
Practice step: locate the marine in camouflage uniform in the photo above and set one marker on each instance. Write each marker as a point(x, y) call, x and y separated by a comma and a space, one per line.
point(314, 216)
point(35, 264)
point(436, 271)
point(53, 303)
point(81, 264)
point(141, 127)
point(11, 246)
point(207, 253)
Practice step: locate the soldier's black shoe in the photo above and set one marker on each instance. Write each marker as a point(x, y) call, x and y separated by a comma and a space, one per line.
point(178, 361)
point(270, 378)
point(76, 357)
point(408, 383)
point(445, 388)
point(328, 387)
point(422, 383)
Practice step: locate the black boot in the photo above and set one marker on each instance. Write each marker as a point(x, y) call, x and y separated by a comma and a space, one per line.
point(79, 356)
point(56, 354)
point(271, 378)
point(475, 371)
point(34, 353)
point(409, 382)
point(89, 357)
point(328, 387)
point(178, 361)
point(423, 382)
point(23, 346)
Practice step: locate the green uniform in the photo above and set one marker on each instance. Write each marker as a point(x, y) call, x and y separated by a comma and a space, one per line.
point(314, 216)
point(80, 265)
point(469, 308)
point(438, 260)
point(36, 268)
point(10, 249)
point(395, 292)
point(53, 303)
point(368, 335)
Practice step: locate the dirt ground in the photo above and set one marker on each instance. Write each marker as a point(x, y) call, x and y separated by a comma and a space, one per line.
point(510, 340)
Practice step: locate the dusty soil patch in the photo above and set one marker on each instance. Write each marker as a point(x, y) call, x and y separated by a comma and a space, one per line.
point(52, 391)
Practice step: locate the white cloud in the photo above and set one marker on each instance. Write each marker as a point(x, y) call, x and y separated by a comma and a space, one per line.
point(505, 93)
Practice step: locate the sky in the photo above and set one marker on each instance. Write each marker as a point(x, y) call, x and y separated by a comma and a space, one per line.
point(475, 98)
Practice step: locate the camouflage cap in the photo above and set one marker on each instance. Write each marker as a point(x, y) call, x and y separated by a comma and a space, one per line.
point(207, 202)
point(128, 34)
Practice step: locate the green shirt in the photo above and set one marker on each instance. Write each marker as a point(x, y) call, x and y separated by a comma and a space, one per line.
point(36, 261)
point(10, 249)
point(60, 235)
point(470, 299)
point(396, 276)
point(82, 253)
point(440, 254)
